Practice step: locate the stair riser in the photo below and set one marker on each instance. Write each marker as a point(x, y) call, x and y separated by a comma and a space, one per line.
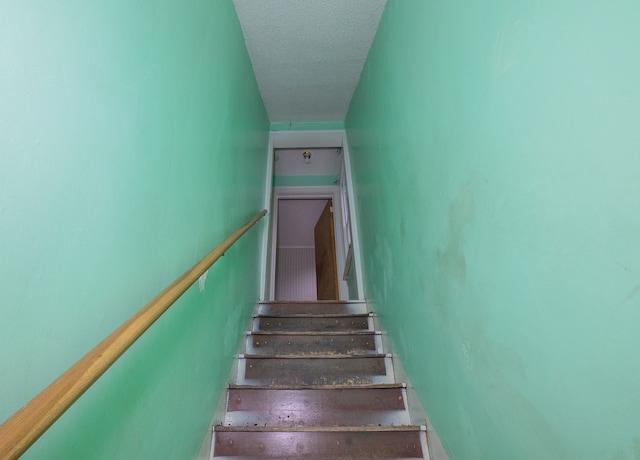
point(318, 344)
point(343, 398)
point(307, 324)
point(307, 371)
point(286, 309)
point(344, 407)
point(320, 445)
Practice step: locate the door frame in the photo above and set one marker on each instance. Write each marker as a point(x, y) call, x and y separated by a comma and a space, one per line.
point(308, 139)
point(307, 193)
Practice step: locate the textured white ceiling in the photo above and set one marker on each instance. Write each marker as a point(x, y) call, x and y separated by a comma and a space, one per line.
point(307, 55)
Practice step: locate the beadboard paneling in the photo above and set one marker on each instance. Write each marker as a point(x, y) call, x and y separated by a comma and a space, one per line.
point(296, 274)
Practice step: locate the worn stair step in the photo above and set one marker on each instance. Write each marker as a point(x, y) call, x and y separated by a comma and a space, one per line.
point(312, 308)
point(313, 323)
point(315, 370)
point(318, 387)
point(251, 406)
point(321, 443)
point(334, 333)
point(318, 343)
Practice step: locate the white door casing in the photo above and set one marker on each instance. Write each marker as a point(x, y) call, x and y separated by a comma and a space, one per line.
point(308, 139)
point(306, 193)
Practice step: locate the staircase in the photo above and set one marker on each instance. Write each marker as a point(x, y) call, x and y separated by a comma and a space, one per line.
point(315, 383)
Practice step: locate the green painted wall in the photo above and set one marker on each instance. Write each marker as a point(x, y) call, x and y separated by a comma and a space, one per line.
point(495, 148)
point(304, 181)
point(132, 141)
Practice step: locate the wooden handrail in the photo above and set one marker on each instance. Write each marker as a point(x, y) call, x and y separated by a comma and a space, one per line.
point(24, 427)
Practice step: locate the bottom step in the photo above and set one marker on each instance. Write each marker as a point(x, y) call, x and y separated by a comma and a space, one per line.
point(321, 442)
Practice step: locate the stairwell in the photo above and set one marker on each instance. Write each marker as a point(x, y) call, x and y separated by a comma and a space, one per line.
point(315, 383)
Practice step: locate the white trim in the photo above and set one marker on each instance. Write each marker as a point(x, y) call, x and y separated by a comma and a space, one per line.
point(355, 234)
point(266, 227)
point(316, 192)
point(269, 288)
point(308, 139)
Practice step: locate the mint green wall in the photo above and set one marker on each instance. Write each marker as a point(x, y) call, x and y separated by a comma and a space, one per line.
point(132, 141)
point(304, 181)
point(496, 150)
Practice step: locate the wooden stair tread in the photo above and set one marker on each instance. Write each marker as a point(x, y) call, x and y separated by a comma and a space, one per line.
point(361, 399)
point(313, 323)
point(318, 387)
point(310, 302)
point(291, 344)
point(315, 371)
point(314, 333)
point(320, 429)
point(316, 315)
point(317, 356)
point(312, 309)
point(317, 407)
point(322, 444)
point(320, 333)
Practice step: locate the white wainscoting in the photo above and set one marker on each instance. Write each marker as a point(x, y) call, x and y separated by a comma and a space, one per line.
point(296, 274)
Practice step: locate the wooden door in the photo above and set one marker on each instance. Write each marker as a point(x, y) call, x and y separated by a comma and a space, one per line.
point(325, 242)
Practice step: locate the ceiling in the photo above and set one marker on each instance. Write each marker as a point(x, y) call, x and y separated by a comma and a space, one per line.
point(323, 162)
point(307, 55)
